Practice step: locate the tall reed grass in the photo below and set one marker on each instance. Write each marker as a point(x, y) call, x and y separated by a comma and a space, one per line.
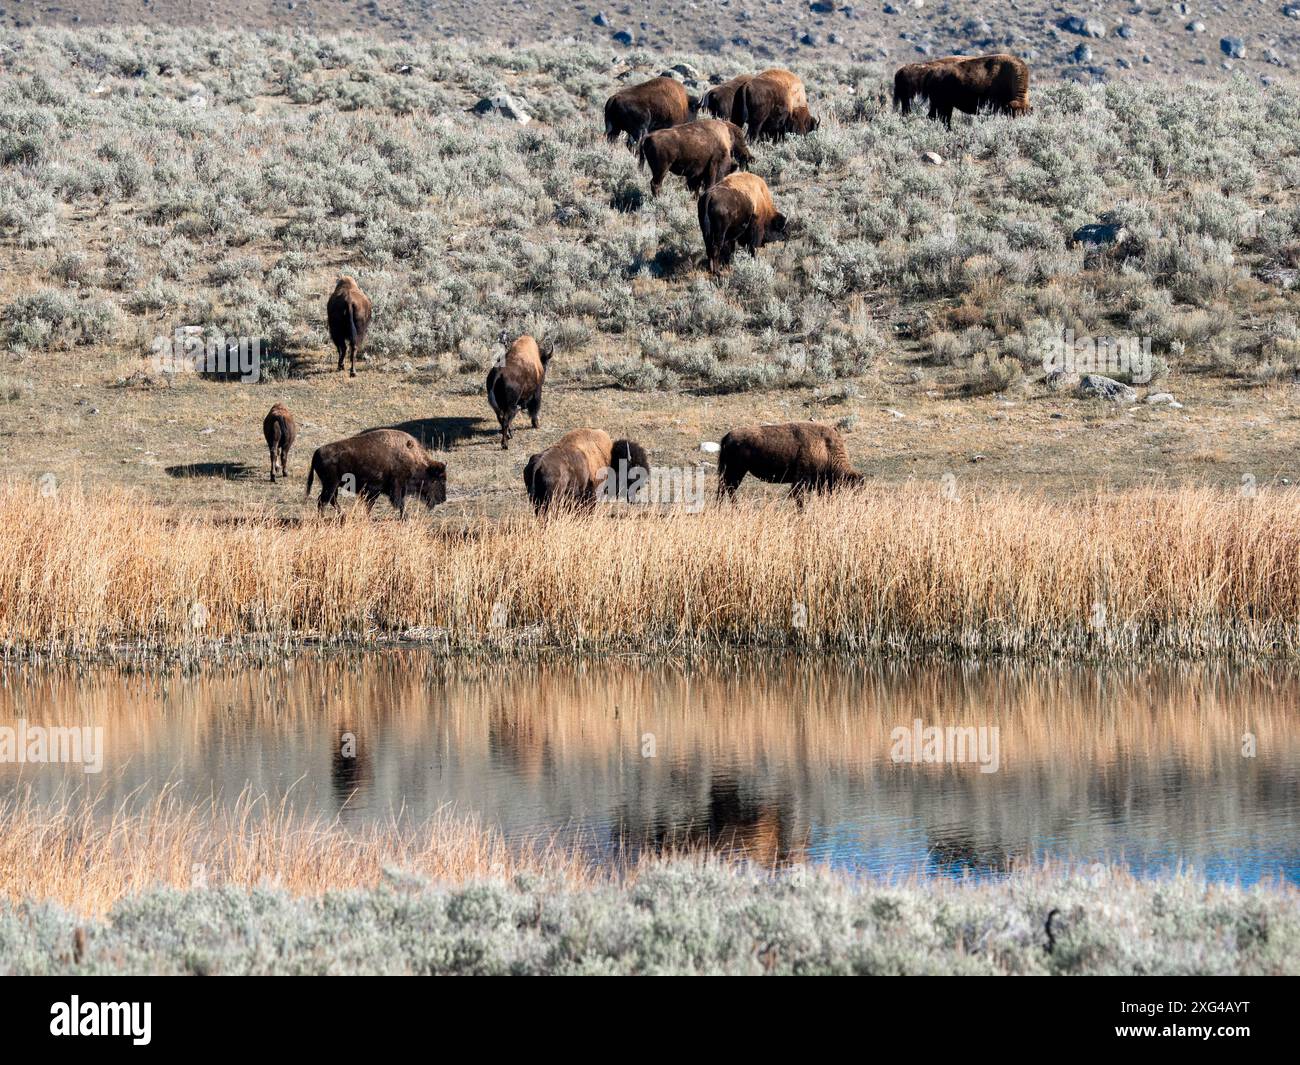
point(1188, 571)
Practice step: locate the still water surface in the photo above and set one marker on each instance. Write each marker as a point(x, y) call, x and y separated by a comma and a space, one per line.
point(791, 760)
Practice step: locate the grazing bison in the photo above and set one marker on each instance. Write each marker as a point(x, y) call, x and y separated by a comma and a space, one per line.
point(738, 209)
point(574, 471)
point(640, 109)
point(804, 455)
point(516, 381)
point(379, 462)
point(721, 101)
point(348, 312)
point(280, 431)
point(773, 104)
point(703, 152)
point(909, 80)
point(999, 82)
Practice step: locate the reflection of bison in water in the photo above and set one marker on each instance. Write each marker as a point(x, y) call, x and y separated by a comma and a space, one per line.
point(703, 152)
point(772, 105)
point(572, 471)
point(280, 430)
point(738, 210)
point(516, 382)
point(804, 455)
point(348, 314)
point(999, 82)
point(380, 462)
point(640, 109)
point(721, 101)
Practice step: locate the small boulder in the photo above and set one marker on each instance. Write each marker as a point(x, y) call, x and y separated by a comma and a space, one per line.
point(1061, 381)
point(1233, 47)
point(505, 105)
point(932, 159)
point(1100, 234)
point(1084, 27)
point(1095, 386)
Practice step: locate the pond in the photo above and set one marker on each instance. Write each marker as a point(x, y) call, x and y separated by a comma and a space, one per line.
point(790, 759)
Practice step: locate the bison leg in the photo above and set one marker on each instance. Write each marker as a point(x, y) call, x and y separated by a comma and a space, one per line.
point(329, 494)
point(352, 363)
point(284, 461)
point(343, 348)
point(273, 454)
point(535, 409)
point(506, 417)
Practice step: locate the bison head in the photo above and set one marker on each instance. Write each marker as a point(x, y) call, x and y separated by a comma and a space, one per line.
point(432, 486)
point(631, 463)
point(802, 122)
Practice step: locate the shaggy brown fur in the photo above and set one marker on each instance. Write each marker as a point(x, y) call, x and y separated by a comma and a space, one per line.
point(722, 100)
point(516, 381)
point(703, 152)
point(738, 209)
point(280, 431)
point(640, 109)
point(380, 462)
point(572, 471)
point(805, 455)
point(772, 105)
point(1000, 82)
point(348, 314)
point(909, 80)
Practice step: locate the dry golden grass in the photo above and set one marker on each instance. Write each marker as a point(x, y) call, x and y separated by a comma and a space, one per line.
point(76, 853)
point(1189, 571)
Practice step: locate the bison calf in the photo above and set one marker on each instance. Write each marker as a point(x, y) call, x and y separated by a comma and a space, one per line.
point(348, 314)
point(379, 462)
point(773, 104)
point(280, 431)
point(804, 455)
point(703, 152)
point(582, 466)
point(640, 109)
point(738, 209)
point(516, 381)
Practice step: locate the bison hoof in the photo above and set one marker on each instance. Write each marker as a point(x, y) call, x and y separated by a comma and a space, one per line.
point(352, 373)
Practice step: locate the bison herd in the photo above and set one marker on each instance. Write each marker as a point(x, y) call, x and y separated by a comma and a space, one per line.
point(661, 124)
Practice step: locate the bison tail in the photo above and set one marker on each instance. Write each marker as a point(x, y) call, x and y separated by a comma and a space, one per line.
point(640, 154)
point(352, 323)
point(311, 474)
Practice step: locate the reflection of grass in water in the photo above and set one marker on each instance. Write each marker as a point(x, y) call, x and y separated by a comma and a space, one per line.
point(1183, 572)
point(681, 917)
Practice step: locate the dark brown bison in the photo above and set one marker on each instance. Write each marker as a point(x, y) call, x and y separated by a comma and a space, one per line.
point(348, 313)
point(641, 109)
point(738, 209)
point(516, 381)
point(584, 465)
point(280, 431)
point(721, 101)
point(703, 152)
point(379, 462)
point(804, 455)
point(998, 82)
point(772, 105)
point(909, 80)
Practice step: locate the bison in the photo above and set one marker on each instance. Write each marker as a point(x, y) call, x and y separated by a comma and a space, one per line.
point(703, 152)
point(773, 104)
point(516, 381)
point(379, 462)
point(909, 80)
point(999, 82)
point(738, 209)
point(280, 431)
point(641, 109)
point(580, 467)
point(348, 313)
point(722, 101)
point(804, 455)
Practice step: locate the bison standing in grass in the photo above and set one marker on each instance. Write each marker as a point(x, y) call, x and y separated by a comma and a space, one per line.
point(348, 314)
point(703, 152)
point(738, 209)
point(807, 456)
point(516, 381)
point(379, 462)
point(280, 431)
point(641, 109)
point(722, 101)
point(772, 105)
point(956, 83)
point(581, 466)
